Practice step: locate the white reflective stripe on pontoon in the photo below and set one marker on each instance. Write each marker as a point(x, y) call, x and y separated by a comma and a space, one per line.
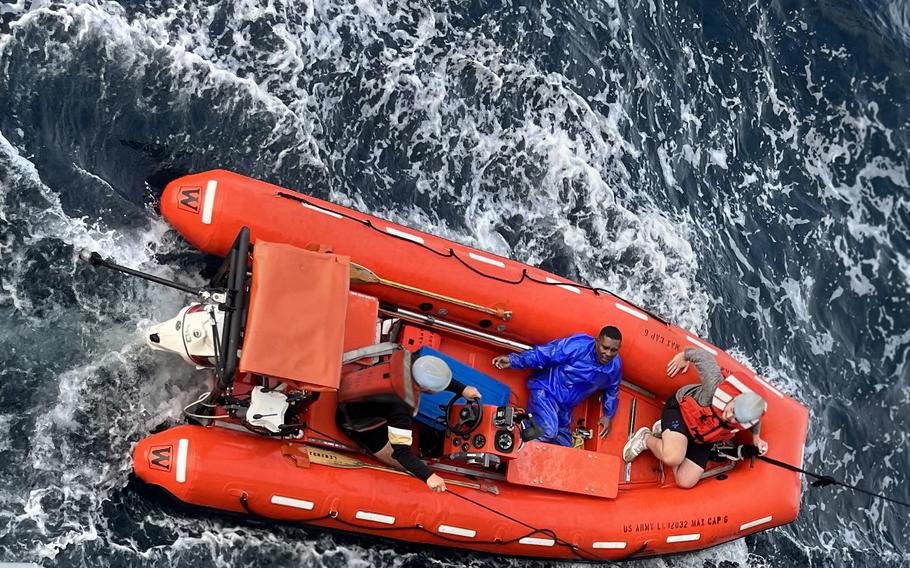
point(628, 310)
point(683, 537)
point(403, 235)
point(702, 345)
point(755, 523)
point(492, 261)
point(457, 531)
point(291, 502)
point(323, 211)
point(537, 541)
point(375, 517)
point(563, 286)
point(183, 447)
point(610, 545)
point(209, 203)
point(767, 384)
point(738, 384)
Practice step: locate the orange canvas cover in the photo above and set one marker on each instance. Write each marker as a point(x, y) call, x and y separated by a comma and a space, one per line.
point(295, 324)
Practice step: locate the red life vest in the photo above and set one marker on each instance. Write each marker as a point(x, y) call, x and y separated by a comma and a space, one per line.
point(706, 423)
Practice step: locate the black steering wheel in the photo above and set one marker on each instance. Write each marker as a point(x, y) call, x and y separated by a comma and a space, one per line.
point(469, 417)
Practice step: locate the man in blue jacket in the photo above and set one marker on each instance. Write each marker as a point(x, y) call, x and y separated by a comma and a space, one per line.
point(570, 370)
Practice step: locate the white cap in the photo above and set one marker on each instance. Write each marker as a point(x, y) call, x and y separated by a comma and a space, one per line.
point(431, 373)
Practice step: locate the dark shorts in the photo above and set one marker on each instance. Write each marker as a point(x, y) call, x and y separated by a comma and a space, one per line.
point(671, 419)
point(371, 440)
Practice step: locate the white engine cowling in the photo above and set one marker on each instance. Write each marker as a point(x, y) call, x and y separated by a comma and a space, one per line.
point(189, 334)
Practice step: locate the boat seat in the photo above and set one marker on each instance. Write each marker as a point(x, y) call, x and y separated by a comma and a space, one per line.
point(388, 379)
point(558, 468)
point(360, 331)
point(431, 409)
point(384, 381)
point(360, 321)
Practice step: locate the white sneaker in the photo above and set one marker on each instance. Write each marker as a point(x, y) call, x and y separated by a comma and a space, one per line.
point(636, 445)
point(656, 429)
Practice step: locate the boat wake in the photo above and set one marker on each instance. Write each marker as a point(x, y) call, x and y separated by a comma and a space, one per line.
point(739, 171)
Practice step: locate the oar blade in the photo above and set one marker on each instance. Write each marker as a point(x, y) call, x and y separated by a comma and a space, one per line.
point(329, 458)
point(362, 275)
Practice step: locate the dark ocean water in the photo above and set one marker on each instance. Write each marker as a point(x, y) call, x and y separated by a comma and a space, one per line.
point(741, 168)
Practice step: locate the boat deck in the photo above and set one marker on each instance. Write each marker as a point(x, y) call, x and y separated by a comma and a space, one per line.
point(637, 407)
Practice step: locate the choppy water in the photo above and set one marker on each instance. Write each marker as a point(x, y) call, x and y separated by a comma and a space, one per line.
point(740, 168)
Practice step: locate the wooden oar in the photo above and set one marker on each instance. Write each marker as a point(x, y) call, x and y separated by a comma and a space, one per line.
point(362, 275)
point(327, 457)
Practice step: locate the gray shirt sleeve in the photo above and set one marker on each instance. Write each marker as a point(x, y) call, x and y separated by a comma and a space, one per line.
point(709, 377)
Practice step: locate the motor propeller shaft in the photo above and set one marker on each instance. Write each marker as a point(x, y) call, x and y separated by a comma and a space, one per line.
point(96, 259)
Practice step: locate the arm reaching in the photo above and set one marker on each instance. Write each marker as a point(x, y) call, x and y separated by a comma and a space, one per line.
point(604, 424)
point(436, 483)
point(611, 397)
point(678, 364)
point(401, 452)
point(400, 438)
point(546, 355)
point(708, 372)
point(760, 444)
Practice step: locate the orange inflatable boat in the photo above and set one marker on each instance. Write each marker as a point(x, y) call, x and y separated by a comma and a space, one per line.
point(318, 305)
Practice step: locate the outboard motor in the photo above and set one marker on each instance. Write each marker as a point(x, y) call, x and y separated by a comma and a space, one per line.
point(193, 334)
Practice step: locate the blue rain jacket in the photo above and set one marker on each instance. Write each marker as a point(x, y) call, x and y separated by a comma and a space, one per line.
point(569, 371)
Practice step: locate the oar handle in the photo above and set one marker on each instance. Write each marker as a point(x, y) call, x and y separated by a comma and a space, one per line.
point(323, 456)
point(455, 482)
point(502, 314)
point(468, 484)
point(362, 275)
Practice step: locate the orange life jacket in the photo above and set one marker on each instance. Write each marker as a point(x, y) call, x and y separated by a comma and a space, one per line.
point(706, 423)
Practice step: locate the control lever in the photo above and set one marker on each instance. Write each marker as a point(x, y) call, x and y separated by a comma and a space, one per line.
point(532, 431)
point(484, 459)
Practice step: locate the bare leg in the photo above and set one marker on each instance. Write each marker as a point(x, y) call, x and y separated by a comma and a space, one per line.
point(670, 448)
point(385, 456)
point(687, 474)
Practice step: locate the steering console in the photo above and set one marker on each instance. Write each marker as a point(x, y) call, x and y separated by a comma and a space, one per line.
point(467, 420)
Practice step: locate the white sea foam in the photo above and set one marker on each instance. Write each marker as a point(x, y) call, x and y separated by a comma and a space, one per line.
point(581, 183)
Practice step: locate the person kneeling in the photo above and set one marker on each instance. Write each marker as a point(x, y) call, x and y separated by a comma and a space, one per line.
point(696, 417)
point(569, 370)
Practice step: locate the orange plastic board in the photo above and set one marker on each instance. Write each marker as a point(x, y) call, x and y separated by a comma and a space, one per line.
point(559, 468)
point(295, 325)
